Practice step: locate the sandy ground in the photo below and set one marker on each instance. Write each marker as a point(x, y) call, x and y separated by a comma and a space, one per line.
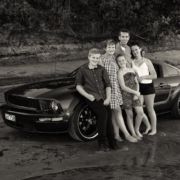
point(54, 157)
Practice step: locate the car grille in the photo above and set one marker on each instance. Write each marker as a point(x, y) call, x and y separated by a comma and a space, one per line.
point(34, 104)
point(23, 101)
point(44, 105)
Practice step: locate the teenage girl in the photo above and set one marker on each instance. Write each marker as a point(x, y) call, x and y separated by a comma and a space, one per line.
point(146, 74)
point(131, 96)
point(109, 63)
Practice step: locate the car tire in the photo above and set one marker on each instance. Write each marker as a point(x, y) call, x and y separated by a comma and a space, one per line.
point(176, 108)
point(82, 125)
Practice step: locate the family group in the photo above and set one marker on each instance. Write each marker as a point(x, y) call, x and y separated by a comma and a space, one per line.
point(122, 78)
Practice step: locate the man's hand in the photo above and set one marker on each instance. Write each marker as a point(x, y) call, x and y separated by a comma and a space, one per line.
point(106, 102)
point(91, 97)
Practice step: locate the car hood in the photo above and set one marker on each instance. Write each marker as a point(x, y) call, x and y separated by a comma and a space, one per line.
point(46, 89)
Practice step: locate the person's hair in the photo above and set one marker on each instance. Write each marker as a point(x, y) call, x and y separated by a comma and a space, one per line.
point(109, 42)
point(124, 30)
point(137, 44)
point(94, 51)
point(119, 55)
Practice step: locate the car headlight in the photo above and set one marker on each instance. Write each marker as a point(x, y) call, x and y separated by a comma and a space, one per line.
point(54, 106)
point(51, 106)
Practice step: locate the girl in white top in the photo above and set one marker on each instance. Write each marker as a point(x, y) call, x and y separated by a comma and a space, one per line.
point(146, 73)
point(142, 70)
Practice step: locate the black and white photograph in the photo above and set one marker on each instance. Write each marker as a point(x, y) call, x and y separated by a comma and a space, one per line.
point(89, 90)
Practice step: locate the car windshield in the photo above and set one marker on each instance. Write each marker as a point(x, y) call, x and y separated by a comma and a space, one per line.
point(73, 73)
point(170, 70)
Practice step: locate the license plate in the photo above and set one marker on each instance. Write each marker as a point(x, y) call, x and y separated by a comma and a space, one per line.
point(10, 117)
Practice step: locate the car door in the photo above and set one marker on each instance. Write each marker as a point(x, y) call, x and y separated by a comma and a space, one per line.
point(162, 88)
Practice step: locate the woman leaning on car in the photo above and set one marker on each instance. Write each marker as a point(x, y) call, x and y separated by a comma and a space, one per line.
point(146, 73)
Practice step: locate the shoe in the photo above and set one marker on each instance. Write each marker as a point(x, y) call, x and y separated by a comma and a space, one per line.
point(103, 148)
point(106, 148)
point(113, 144)
point(115, 147)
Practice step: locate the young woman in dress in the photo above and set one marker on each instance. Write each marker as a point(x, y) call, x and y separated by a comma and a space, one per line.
point(109, 63)
point(131, 96)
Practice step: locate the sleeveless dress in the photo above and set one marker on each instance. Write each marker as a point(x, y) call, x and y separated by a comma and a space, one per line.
point(128, 101)
point(109, 63)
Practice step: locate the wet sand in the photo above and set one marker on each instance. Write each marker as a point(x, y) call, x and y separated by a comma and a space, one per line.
point(54, 157)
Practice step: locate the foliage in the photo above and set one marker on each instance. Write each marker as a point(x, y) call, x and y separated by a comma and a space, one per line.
point(147, 19)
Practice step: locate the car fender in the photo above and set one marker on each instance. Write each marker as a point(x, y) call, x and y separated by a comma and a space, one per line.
point(75, 101)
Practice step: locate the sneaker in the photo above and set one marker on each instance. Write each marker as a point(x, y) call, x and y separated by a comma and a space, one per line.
point(115, 147)
point(113, 144)
point(103, 148)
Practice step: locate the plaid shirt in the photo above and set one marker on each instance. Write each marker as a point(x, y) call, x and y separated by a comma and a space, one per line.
point(109, 63)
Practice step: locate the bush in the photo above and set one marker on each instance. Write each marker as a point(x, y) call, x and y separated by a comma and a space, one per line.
point(87, 19)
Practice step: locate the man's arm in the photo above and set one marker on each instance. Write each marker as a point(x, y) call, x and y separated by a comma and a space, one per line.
point(79, 85)
point(81, 90)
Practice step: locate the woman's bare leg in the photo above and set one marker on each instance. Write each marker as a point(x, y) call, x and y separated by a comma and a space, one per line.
point(145, 119)
point(138, 119)
point(149, 102)
point(129, 114)
point(120, 123)
point(116, 128)
point(147, 124)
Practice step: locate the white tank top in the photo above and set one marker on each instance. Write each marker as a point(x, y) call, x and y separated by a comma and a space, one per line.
point(142, 70)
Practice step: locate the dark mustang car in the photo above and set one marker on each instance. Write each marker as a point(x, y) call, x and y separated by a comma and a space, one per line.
point(54, 106)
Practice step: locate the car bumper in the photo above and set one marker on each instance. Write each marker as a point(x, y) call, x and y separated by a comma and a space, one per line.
point(33, 122)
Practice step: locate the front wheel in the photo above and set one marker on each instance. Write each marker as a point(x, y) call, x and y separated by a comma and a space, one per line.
point(83, 125)
point(176, 108)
